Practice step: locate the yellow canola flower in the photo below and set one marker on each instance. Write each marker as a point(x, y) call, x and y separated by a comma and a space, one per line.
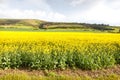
point(52, 42)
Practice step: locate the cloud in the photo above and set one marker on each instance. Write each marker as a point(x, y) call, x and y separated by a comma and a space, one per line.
point(92, 11)
point(27, 4)
point(1, 1)
point(115, 4)
point(76, 3)
point(29, 9)
point(4, 1)
point(30, 14)
point(101, 13)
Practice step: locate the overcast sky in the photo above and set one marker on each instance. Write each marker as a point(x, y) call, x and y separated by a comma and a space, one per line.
point(90, 11)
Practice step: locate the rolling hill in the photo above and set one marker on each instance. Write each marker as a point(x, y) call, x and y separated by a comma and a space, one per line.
point(20, 23)
point(40, 24)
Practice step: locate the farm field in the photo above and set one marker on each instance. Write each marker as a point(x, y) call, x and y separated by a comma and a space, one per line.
point(59, 51)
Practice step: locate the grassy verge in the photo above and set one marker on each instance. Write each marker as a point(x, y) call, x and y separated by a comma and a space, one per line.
point(49, 30)
point(56, 77)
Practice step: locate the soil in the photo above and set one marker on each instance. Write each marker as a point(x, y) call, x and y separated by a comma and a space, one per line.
point(67, 72)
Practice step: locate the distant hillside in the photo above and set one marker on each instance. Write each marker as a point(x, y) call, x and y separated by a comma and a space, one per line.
point(8, 23)
point(54, 25)
point(39, 24)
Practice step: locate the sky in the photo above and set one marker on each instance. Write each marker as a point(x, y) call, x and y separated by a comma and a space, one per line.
point(84, 11)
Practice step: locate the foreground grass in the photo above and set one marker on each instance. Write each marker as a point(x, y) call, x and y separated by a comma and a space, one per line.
point(68, 74)
point(56, 77)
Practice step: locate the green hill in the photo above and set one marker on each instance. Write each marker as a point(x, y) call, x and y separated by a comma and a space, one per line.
point(33, 24)
point(20, 23)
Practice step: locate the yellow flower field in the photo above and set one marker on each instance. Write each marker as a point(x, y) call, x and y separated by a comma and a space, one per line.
point(50, 50)
point(62, 36)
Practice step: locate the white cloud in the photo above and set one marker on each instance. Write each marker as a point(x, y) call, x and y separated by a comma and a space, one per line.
point(42, 10)
point(101, 13)
point(36, 4)
point(30, 14)
point(76, 2)
point(115, 4)
point(81, 3)
point(97, 11)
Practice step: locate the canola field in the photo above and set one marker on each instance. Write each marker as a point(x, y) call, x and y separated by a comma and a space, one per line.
point(59, 50)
